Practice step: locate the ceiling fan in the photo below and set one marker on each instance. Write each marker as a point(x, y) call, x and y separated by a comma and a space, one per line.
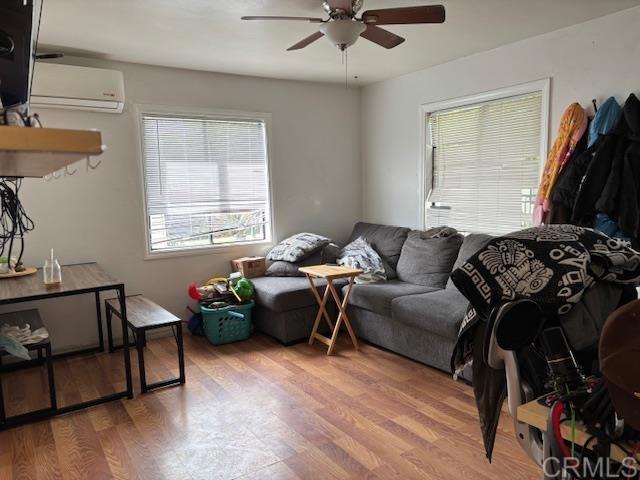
point(343, 27)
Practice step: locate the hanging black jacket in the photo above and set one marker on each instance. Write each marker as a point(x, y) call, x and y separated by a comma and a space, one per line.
point(564, 190)
point(610, 199)
point(600, 188)
point(628, 201)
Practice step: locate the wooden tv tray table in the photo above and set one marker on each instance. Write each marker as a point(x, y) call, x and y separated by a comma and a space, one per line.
point(331, 273)
point(536, 415)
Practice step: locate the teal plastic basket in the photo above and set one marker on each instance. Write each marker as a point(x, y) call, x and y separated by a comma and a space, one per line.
point(228, 324)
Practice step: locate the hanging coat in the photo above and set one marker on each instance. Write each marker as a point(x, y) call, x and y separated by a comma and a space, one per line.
point(628, 201)
point(611, 184)
point(572, 127)
point(609, 198)
point(566, 188)
point(598, 173)
point(604, 120)
point(562, 205)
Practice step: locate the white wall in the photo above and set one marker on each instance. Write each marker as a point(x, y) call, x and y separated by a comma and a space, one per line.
point(98, 216)
point(595, 59)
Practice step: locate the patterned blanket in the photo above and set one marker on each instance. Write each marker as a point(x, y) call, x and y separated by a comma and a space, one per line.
point(553, 264)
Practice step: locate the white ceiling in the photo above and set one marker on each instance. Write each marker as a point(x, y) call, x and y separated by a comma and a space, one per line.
point(209, 35)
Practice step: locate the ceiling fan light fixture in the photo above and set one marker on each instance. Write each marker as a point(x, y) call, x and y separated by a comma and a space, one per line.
point(343, 33)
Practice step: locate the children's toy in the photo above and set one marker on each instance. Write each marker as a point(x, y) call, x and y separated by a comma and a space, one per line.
point(214, 288)
point(221, 289)
point(225, 309)
point(245, 289)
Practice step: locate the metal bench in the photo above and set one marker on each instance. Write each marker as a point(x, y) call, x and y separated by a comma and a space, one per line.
point(20, 319)
point(143, 315)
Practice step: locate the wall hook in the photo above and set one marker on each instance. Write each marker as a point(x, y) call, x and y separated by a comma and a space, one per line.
point(90, 166)
point(69, 172)
point(56, 177)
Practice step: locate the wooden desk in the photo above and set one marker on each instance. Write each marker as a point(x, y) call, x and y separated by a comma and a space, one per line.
point(331, 273)
point(536, 415)
point(76, 280)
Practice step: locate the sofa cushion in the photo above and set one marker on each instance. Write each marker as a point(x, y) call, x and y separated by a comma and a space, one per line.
point(385, 239)
point(282, 294)
point(377, 297)
point(438, 312)
point(470, 245)
point(428, 261)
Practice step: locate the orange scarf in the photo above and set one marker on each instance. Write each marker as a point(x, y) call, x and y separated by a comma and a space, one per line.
point(572, 127)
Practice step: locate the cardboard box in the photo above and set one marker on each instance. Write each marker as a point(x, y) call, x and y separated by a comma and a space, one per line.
point(249, 267)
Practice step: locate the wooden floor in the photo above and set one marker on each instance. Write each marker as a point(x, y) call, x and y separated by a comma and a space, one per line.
point(258, 410)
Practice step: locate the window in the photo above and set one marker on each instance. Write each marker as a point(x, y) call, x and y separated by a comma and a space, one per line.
point(485, 161)
point(206, 181)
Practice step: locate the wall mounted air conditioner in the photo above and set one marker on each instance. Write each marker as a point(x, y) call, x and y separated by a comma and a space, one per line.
point(77, 88)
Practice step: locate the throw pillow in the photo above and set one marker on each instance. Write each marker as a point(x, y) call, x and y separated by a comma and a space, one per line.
point(281, 268)
point(359, 254)
point(298, 247)
point(428, 261)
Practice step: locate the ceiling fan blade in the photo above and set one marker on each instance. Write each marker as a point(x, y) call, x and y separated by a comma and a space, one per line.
point(304, 19)
point(406, 15)
point(382, 37)
point(344, 5)
point(306, 41)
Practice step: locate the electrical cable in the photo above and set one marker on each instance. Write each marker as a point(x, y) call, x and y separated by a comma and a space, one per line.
point(556, 412)
point(14, 221)
point(573, 430)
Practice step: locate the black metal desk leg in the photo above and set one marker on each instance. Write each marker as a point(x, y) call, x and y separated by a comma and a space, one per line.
point(180, 351)
point(52, 381)
point(3, 416)
point(99, 317)
point(140, 336)
point(109, 314)
point(125, 341)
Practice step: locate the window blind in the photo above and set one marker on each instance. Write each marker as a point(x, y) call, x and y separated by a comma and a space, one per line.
point(486, 165)
point(206, 181)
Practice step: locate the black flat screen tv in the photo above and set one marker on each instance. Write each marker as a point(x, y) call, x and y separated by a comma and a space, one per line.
point(16, 41)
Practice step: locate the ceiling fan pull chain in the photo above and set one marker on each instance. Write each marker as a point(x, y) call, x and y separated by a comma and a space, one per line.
point(346, 69)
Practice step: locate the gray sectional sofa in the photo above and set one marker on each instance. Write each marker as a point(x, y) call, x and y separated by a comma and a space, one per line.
point(416, 312)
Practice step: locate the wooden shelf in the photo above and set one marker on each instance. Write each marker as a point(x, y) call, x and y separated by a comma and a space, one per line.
point(36, 152)
point(536, 415)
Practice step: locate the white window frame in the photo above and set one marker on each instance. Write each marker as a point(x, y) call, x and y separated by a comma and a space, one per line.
point(206, 113)
point(425, 171)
